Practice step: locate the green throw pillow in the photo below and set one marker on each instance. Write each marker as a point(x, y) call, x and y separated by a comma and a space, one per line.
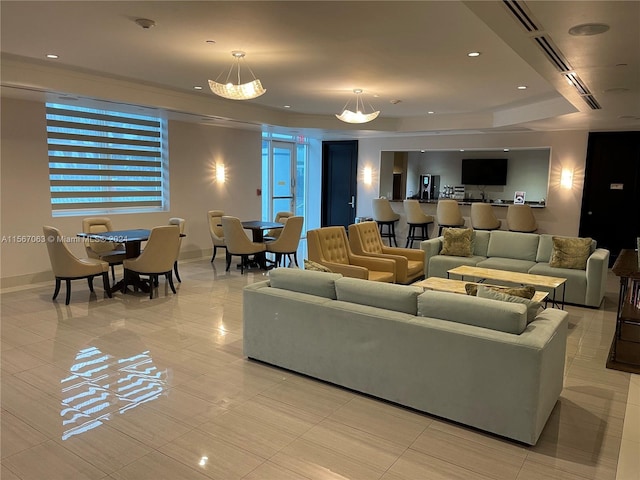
point(570, 252)
point(527, 291)
point(457, 242)
point(532, 307)
point(315, 266)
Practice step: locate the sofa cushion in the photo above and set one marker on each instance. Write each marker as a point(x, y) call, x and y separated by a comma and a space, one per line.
point(570, 252)
point(492, 294)
point(481, 242)
point(400, 298)
point(510, 264)
point(457, 242)
point(545, 247)
point(520, 246)
point(315, 266)
point(321, 284)
point(481, 312)
point(527, 291)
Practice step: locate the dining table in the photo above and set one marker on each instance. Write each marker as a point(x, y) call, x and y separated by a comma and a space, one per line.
point(258, 228)
point(132, 240)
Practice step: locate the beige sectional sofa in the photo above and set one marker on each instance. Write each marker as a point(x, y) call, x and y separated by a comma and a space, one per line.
point(471, 360)
point(526, 253)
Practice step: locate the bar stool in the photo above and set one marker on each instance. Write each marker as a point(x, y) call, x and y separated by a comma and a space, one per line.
point(448, 213)
point(520, 219)
point(416, 219)
point(483, 218)
point(384, 215)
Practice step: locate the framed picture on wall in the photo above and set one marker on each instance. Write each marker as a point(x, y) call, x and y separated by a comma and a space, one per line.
point(518, 198)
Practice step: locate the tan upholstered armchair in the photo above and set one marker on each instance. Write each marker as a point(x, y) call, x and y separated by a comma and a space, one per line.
point(329, 247)
point(215, 230)
point(110, 252)
point(364, 239)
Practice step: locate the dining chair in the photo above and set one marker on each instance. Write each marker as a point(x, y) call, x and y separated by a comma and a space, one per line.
point(180, 223)
point(483, 218)
point(416, 218)
point(111, 252)
point(158, 258)
point(384, 215)
point(520, 219)
point(448, 215)
point(238, 243)
point(274, 233)
point(288, 241)
point(66, 266)
point(215, 230)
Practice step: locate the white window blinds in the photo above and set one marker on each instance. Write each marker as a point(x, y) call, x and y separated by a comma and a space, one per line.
point(105, 162)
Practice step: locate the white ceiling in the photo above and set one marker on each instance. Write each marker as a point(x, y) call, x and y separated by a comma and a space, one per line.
point(312, 54)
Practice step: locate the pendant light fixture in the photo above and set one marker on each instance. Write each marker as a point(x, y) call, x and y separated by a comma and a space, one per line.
point(237, 91)
point(359, 116)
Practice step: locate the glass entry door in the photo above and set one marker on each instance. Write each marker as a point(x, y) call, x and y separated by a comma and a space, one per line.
point(283, 178)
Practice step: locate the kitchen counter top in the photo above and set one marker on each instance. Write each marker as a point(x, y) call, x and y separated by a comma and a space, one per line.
point(494, 204)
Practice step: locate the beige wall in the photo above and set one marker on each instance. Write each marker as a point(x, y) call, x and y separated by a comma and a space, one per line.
point(568, 150)
point(193, 150)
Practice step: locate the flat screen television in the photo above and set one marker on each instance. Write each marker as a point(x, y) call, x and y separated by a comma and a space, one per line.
point(484, 171)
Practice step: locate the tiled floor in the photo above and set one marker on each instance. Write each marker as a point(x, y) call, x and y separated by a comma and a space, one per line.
point(133, 389)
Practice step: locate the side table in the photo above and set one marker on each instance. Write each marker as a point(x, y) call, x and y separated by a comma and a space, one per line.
point(625, 348)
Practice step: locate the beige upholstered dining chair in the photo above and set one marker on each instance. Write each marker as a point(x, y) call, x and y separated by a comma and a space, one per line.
point(110, 252)
point(448, 214)
point(520, 219)
point(329, 246)
point(288, 241)
point(416, 218)
point(384, 215)
point(215, 230)
point(66, 266)
point(180, 223)
point(483, 218)
point(238, 243)
point(364, 239)
point(158, 257)
point(274, 233)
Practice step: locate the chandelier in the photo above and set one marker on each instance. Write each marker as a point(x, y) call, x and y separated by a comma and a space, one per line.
point(359, 116)
point(237, 91)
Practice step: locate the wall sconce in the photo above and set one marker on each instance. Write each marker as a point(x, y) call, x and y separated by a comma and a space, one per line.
point(368, 175)
point(566, 178)
point(220, 176)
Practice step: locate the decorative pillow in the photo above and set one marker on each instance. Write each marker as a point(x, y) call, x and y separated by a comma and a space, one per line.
point(532, 307)
point(457, 242)
point(315, 266)
point(527, 291)
point(570, 252)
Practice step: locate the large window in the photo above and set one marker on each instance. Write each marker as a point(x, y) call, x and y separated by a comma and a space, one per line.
point(105, 162)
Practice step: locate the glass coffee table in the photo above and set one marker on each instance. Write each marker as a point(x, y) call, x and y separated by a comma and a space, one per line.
point(545, 281)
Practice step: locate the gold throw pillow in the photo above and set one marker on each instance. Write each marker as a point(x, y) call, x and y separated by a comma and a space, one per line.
point(570, 252)
point(526, 291)
point(457, 242)
point(315, 266)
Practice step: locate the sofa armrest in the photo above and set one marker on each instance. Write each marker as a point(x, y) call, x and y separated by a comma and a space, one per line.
point(597, 267)
point(431, 248)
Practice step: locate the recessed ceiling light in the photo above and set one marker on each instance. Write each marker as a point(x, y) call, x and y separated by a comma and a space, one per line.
point(473, 54)
point(522, 87)
point(462, 149)
point(587, 29)
point(395, 101)
point(287, 106)
point(197, 87)
point(505, 149)
point(430, 112)
point(421, 151)
point(210, 41)
point(52, 55)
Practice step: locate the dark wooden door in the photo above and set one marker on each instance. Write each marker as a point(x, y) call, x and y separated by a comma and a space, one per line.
point(611, 197)
point(339, 182)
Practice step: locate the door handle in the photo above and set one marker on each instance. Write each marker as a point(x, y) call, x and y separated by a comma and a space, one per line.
point(352, 202)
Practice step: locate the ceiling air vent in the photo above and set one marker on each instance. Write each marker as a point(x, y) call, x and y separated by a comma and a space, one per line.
point(592, 102)
point(575, 81)
point(553, 53)
point(522, 14)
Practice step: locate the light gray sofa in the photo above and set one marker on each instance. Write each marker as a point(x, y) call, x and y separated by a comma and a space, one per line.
point(446, 354)
point(526, 253)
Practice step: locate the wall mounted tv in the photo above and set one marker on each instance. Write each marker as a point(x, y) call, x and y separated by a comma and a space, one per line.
point(484, 171)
